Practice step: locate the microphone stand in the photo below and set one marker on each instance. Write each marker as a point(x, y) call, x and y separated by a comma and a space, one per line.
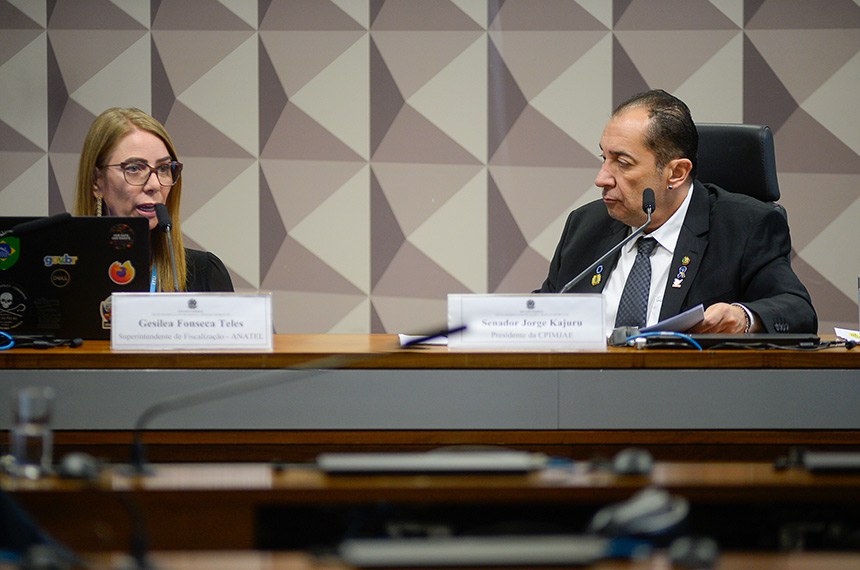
point(243, 385)
point(172, 258)
point(138, 464)
point(648, 207)
point(166, 225)
point(270, 378)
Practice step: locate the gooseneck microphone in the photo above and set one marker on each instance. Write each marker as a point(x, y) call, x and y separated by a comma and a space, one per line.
point(269, 378)
point(266, 379)
point(165, 224)
point(35, 225)
point(648, 206)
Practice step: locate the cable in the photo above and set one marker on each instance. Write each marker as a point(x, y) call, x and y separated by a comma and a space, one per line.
point(667, 339)
point(42, 341)
point(10, 342)
point(666, 336)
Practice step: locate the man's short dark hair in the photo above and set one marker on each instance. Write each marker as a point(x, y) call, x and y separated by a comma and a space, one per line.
point(672, 132)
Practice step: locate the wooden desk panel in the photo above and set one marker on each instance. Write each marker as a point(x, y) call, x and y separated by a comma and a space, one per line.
point(304, 445)
point(381, 351)
point(680, 404)
point(245, 560)
point(220, 506)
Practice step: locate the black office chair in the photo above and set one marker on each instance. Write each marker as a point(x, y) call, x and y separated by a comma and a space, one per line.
point(739, 158)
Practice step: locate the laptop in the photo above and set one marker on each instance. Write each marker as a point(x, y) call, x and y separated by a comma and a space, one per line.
point(57, 273)
point(758, 340)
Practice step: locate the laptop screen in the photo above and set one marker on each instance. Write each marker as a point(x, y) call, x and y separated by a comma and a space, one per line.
point(56, 278)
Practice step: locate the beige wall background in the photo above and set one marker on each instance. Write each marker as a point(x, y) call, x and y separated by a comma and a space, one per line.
point(362, 159)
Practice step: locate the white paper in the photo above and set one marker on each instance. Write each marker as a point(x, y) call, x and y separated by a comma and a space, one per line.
point(847, 334)
point(407, 338)
point(679, 323)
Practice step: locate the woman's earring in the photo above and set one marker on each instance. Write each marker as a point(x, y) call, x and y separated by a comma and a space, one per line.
point(98, 206)
point(670, 187)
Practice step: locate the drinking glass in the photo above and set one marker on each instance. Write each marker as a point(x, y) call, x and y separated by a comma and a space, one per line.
point(31, 439)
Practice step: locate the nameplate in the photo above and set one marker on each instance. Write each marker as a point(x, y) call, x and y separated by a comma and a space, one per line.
point(545, 321)
point(191, 321)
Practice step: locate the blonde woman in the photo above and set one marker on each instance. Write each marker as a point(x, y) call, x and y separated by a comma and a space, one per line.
point(128, 166)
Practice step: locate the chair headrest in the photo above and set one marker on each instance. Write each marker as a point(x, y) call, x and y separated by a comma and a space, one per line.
point(738, 158)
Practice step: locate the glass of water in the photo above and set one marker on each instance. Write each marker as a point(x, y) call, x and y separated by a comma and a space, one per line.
point(31, 440)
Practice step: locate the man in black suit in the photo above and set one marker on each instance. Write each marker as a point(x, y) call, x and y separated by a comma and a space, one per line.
point(726, 251)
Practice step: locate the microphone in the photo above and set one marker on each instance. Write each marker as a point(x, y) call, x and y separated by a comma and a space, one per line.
point(267, 379)
point(648, 206)
point(35, 225)
point(163, 216)
point(165, 224)
point(649, 202)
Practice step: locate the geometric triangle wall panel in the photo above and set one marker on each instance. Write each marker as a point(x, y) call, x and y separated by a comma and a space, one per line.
point(362, 159)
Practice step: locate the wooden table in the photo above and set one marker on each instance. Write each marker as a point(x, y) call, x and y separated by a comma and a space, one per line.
point(244, 560)
point(382, 351)
point(367, 393)
point(242, 506)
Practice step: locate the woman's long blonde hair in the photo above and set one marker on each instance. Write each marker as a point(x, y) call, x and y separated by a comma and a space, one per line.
point(104, 135)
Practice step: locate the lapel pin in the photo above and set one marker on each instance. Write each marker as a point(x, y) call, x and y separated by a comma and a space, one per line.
point(682, 273)
point(595, 279)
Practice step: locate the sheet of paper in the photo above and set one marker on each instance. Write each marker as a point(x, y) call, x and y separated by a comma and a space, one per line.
point(406, 339)
point(679, 323)
point(847, 334)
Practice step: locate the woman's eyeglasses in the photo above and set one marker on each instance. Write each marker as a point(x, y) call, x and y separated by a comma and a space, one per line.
point(137, 173)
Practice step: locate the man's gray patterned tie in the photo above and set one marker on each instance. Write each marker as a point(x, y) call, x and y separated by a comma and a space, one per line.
point(633, 307)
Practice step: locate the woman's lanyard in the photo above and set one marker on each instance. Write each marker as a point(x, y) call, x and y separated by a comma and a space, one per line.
point(153, 281)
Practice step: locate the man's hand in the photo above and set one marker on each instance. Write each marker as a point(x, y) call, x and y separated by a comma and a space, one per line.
point(722, 318)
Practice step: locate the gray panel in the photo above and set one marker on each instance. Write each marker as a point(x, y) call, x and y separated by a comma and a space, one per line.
point(372, 399)
point(709, 399)
point(456, 399)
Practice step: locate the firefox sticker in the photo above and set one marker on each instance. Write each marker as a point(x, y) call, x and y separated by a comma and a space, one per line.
point(121, 273)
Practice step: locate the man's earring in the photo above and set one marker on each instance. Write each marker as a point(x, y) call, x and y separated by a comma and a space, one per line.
point(670, 187)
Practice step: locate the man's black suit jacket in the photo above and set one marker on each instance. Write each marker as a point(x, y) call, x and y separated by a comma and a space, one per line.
point(735, 249)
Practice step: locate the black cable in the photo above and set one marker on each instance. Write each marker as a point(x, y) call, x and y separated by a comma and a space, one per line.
point(667, 344)
point(44, 341)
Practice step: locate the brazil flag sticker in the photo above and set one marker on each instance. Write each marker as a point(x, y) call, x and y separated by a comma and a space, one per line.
point(10, 249)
